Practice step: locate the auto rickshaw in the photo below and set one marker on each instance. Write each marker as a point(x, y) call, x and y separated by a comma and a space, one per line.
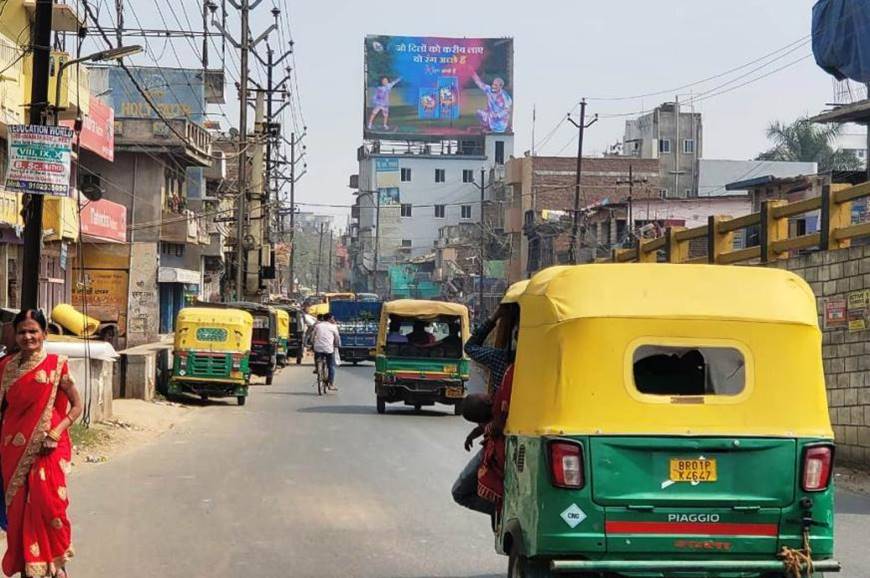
point(296, 334)
point(283, 335)
point(264, 340)
point(667, 420)
point(419, 356)
point(212, 351)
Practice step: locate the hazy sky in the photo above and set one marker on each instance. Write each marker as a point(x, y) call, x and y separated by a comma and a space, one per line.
point(563, 50)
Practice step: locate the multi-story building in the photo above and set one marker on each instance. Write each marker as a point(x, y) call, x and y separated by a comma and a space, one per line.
point(673, 135)
point(412, 192)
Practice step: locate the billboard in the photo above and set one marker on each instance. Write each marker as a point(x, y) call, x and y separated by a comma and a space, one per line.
point(39, 159)
point(437, 87)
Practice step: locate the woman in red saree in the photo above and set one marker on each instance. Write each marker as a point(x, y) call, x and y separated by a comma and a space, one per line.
point(40, 402)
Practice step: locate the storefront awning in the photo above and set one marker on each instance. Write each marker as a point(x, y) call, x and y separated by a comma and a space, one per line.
point(176, 275)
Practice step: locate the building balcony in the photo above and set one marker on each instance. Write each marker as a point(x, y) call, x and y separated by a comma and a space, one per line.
point(65, 15)
point(154, 135)
point(179, 228)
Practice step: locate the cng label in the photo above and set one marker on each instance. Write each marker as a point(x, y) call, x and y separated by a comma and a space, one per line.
point(573, 516)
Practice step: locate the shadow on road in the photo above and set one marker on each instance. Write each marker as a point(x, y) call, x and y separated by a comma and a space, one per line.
point(370, 410)
point(294, 393)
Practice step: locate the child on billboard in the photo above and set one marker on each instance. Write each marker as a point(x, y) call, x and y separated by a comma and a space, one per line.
point(497, 116)
point(381, 101)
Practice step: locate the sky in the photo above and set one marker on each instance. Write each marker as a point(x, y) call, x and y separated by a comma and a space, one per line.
point(564, 50)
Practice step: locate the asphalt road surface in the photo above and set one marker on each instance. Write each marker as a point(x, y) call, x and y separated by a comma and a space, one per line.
point(296, 485)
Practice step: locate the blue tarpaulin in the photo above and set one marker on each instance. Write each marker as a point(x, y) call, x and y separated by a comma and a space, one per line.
point(841, 38)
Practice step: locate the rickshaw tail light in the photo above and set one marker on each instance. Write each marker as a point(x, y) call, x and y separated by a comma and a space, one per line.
point(182, 359)
point(566, 465)
point(817, 468)
point(237, 361)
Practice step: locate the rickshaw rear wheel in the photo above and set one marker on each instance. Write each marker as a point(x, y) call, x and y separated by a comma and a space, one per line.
point(240, 399)
point(299, 357)
point(520, 566)
point(382, 405)
point(269, 377)
point(457, 408)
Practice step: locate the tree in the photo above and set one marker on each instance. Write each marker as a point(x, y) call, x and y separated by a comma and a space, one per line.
point(803, 140)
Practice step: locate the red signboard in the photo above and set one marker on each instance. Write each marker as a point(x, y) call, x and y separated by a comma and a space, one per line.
point(98, 129)
point(104, 220)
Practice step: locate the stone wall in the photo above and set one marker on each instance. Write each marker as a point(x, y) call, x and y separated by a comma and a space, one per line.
point(835, 276)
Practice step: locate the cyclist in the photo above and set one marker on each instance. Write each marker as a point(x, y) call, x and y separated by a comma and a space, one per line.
point(325, 339)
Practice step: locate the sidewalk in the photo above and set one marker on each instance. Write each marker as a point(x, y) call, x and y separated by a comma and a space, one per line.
point(853, 480)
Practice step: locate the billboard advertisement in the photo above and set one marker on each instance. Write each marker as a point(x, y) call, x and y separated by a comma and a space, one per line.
point(39, 159)
point(437, 87)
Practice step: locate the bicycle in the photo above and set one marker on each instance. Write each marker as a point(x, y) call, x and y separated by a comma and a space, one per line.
point(322, 374)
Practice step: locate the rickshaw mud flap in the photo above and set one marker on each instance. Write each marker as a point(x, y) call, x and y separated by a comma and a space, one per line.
point(683, 566)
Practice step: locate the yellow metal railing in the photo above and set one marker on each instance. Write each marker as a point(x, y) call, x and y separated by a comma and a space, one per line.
point(836, 232)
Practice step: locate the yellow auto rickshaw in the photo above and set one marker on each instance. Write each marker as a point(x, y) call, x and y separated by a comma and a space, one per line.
point(283, 331)
point(667, 420)
point(211, 357)
point(419, 357)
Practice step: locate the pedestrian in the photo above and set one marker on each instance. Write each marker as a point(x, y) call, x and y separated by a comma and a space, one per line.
point(325, 341)
point(41, 403)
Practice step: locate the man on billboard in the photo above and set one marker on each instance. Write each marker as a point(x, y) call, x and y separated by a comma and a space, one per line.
point(381, 101)
point(497, 115)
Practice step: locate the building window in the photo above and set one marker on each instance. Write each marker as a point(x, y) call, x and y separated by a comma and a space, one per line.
point(664, 146)
point(439, 211)
point(406, 243)
point(663, 193)
point(499, 152)
point(406, 175)
point(406, 209)
point(689, 146)
point(688, 192)
point(467, 176)
point(466, 211)
point(440, 177)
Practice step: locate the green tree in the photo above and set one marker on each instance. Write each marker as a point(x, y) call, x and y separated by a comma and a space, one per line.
point(803, 140)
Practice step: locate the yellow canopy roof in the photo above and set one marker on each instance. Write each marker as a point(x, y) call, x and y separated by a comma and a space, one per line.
point(422, 308)
point(667, 291)
point(214, 315)
point(512, 295)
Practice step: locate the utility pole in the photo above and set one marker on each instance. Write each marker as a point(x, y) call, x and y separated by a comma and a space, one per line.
point(119, 18)
point(38, 115)
point(256, 206)
point(631, 182)
point(329, 264)
point(481, 314)
point(377, 239)
point(292, 290)
point(244, 45)
point(575, 227)
point(319, 259)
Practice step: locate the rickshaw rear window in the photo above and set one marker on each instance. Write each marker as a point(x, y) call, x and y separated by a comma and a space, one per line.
point(440, 337)
point(689, 371)
point(211, 334)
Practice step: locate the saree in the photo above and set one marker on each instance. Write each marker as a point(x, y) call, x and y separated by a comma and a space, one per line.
point(38, 536)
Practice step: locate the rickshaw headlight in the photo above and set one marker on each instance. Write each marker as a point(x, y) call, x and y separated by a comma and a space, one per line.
point(566, 464)
point(817, 468)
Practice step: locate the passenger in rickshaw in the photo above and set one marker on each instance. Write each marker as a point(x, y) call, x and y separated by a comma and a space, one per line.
point(495, 359)
point(419, 336)
point(395, 334)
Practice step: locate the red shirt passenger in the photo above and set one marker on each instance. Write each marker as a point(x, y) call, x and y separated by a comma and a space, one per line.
point(490, 475)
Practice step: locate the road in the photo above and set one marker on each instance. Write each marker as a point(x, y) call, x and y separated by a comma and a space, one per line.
point(300, 486)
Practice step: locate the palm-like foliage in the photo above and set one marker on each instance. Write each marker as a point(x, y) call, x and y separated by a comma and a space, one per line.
point(803, 140)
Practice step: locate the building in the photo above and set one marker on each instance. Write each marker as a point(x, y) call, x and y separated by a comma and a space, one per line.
point(853, 139)
point(673, 135)
point(158, 175)
point(423, 187)
point(532, 207)
point(715, 174)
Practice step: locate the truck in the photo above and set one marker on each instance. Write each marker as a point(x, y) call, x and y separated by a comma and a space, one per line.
point(358, 326)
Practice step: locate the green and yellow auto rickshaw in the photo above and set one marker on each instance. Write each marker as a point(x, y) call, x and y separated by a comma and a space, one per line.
point(419, 356)
point(211, 357)
point(667, 420)
point(283, 335)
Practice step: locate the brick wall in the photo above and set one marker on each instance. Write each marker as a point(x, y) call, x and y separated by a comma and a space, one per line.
point(833, 276)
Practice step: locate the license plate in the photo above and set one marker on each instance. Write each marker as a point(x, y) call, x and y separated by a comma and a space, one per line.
point(699, 470)
point(454, 392)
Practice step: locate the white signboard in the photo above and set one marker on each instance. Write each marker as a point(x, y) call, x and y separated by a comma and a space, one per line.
point(39, 159)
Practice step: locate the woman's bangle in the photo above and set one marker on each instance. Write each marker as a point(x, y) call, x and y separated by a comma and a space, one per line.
point(54, 435)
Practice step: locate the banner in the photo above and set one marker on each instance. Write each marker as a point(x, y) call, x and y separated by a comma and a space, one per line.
point(39, 159)
point(103, 294)
point(427, 86)
point(98, 129)
point(104, 220)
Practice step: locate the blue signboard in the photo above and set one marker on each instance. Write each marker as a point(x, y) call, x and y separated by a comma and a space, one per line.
point(387, 165)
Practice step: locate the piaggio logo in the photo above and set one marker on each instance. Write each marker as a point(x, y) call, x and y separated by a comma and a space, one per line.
point(704, 518)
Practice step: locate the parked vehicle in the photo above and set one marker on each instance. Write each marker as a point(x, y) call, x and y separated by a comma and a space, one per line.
point(296, 337)
point(667, 420)
point(419, 358)
point(264, 340)
point(283, 333)
point(358, 325)
point(211, 357)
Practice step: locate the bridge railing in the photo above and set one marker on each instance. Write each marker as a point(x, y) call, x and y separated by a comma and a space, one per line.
point(772, 223)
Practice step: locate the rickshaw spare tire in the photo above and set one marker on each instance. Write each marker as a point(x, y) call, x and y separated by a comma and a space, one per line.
point(520, 566)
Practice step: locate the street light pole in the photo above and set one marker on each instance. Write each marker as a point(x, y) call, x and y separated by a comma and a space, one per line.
point(575, 227)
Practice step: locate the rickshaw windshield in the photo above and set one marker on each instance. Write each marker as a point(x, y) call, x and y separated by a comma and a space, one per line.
point(439, 337)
